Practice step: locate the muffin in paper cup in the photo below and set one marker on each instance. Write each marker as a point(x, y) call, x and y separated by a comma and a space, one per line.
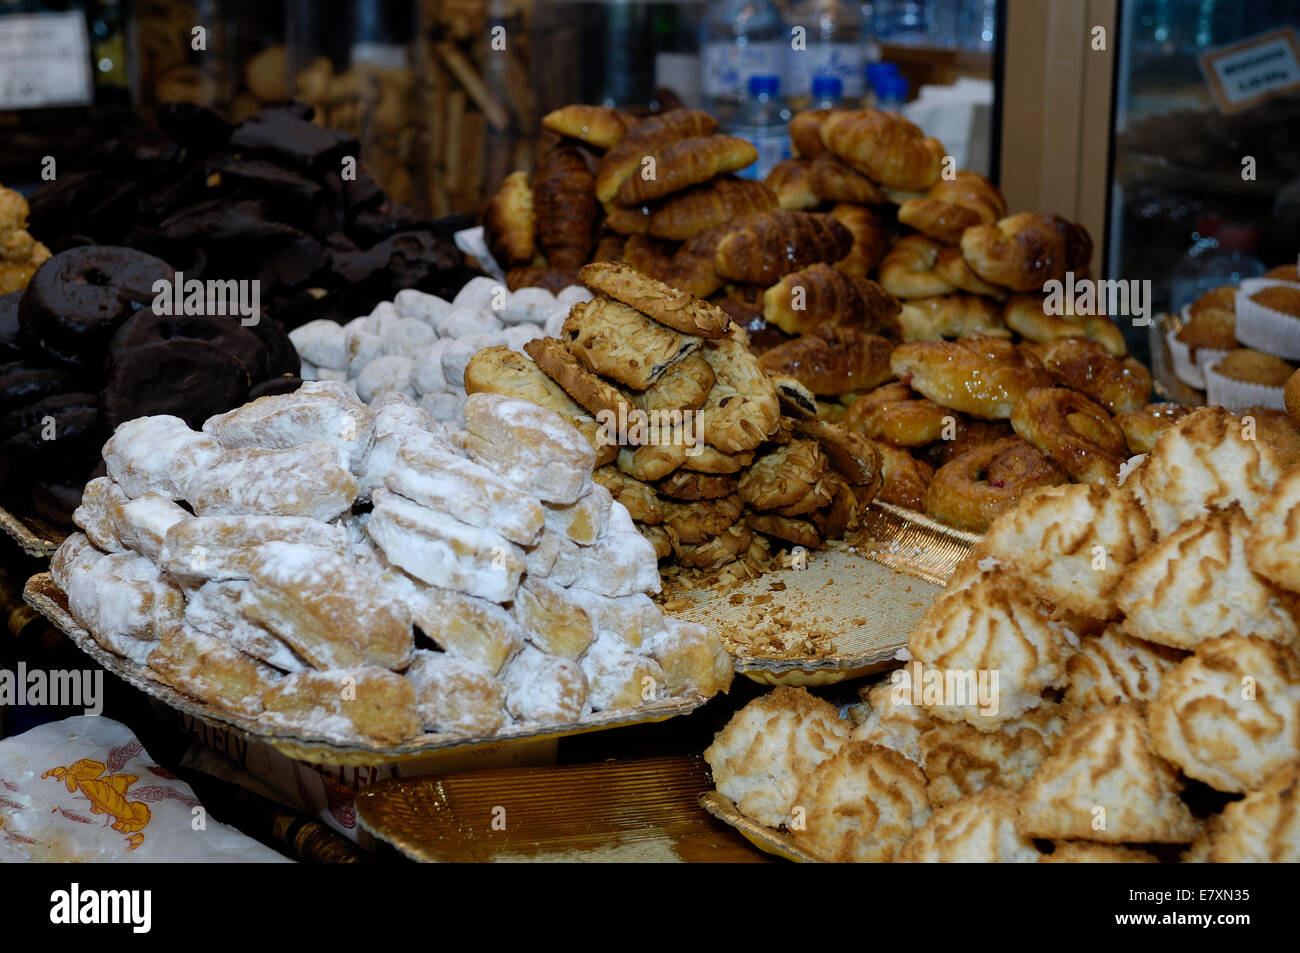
point(1263, 328)
point(1235, 395)
point(1190, 363)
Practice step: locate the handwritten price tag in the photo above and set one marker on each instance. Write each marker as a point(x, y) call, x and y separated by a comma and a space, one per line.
point(1253, 70)
point(44, 61)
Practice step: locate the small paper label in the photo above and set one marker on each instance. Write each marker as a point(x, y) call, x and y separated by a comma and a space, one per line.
point(44, 61)
point(1258, 68)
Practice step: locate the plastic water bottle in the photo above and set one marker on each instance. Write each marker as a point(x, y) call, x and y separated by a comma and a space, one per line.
point(825, 39)
point(739, 39)
point(827, 92)
point(1222, 253)
point(888, 86)
point(764, 120)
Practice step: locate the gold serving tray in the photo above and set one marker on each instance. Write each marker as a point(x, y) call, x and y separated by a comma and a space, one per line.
point(49, 600)
point(774, 842)
point(869, 592)
point(36, 537)
point(641, 811)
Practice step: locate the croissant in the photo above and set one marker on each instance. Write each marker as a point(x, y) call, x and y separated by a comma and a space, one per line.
point(510, 221)
point(537, 276)
point(693, 268)
point(953, 205)
point(838, 359)
point(791, 182)
point(681, 164)
point(763, 248)
point(698, 209)
point(951, 268)
point(804, 300)
point(597, 126)
point(627, 221)
point(885, 147)
point(806, 132)
point(567, 210)
point(1023, 252)
point(651, 256)
point(609, 248)
point(870, 240)
point(833, 181)
point(908, 269)
point(624, 158)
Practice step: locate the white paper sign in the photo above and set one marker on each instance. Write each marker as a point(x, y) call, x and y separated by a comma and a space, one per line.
point(1254, 69)
point(44, 61)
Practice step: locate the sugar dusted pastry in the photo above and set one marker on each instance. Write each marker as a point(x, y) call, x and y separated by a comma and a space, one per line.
point(75, 555)
point(861, 804)
point(213, 610)
point(544, 689)
point(1195, 584)
point(212, 671)
point(456, 696)
point(1273, 546)
point(770, 746)
point(304, 480)
point(467, 627)
point(1203, 462)
point(331, 613)
point(395, 414)
point(223, 547)
point(978, 829)
point(1229, 715)
point(323, 411)
point(443, 481)
point(1103, 782)
point(617, 679)
point(158, 455)
point(99, 500)
point(619, 564)
point(585, 521)
point(1263, 827)
point(371, 704)
point(554, 621)
point(1071, 544)
point(1112, 668)
point(891, 715)
point(693, 659)
point(530, 446)
point(142, 524)
point(124, 603)
point(442, 551)
point(1086, 852)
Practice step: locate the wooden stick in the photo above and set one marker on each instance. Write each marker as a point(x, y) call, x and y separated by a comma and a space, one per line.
point(497, 115)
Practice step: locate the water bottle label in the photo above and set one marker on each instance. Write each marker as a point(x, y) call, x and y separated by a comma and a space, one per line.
point(842, 60)
point(728, 66)
point(771, 150)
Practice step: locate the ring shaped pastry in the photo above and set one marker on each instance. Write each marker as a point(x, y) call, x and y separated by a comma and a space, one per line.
point(1074, 431)
point(973, 489)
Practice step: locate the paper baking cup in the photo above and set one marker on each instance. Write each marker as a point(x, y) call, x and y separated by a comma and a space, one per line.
point(1185, 369)
point(1263, 328)
point(1237, 395)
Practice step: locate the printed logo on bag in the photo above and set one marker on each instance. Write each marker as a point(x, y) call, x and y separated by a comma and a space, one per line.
point(76, 906)
point(242, 298)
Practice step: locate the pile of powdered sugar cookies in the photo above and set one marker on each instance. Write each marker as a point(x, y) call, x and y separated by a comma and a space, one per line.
point(419, 344)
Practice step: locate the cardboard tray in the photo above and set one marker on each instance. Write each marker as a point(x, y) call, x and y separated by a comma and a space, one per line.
point(35, 536)
point(45, 597)
point(770, 841)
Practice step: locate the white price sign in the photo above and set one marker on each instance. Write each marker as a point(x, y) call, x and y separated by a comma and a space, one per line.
point(44, 61)
point(1252, 70)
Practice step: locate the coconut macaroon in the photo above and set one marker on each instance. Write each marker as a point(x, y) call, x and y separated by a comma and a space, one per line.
point(992, 628)
point(860, 804)
point(1112, 668)
point(1104, 783)
point(1230, 714)
point(1071, 544)
point(1263, 827)
point(1086, 852)
point(767, 749)
point(1196, 584)
point(1273, 547)
point(891, 715)
point(960, 760)
point(978, 829)
point(1207, 460)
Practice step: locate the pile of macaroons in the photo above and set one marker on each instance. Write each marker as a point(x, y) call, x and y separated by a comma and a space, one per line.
point(366, 576)
point(419, 344)
point(1146, 648)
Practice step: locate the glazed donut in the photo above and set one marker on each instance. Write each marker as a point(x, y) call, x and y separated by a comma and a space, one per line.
point(1074, 431)
point(971, 433)
point(22, 384)
point(953, 205)
point(223, 332)
point(977, 374)
point(897, 415)
point(907, 271)
point(184, 378)
point(1121, 385)
point(1142, 428)
point(903, 477)
point(972, 490)
point(79, 298)
point(1024, 315)
point(950, 316)
point(1024, 251)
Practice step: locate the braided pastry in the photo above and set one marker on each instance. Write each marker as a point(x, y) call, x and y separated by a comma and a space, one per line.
point(980, 375)
point(1024, 251)
point(624, 158)
point(953, 205)
point(898, 415)
point(870, 239)
point(1121, 385)
point(972, 490)
point(833, 181)
point(681, 164)
point(763, 248)
point(951, 268)
point(950, 316)
point(804, 300)
point(791, 181)
point(1074, 431)
point(907, 271)
point(698, 209)
point(885, 147)
point(1024, 314)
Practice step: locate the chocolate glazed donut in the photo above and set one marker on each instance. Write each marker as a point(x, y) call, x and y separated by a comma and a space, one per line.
point(80, 297)
point(224, 332)
point(185, 378)
point(11, 348)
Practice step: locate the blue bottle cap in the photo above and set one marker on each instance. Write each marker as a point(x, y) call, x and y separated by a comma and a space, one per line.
point(892, 88)
point(827, 87)
point(764, 85)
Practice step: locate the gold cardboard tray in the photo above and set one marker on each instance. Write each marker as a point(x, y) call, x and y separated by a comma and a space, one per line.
point(36, 537)
point(866, 594)
point(774, 842)
point(640, 811)
point(49, 600)
point(1164, 382)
